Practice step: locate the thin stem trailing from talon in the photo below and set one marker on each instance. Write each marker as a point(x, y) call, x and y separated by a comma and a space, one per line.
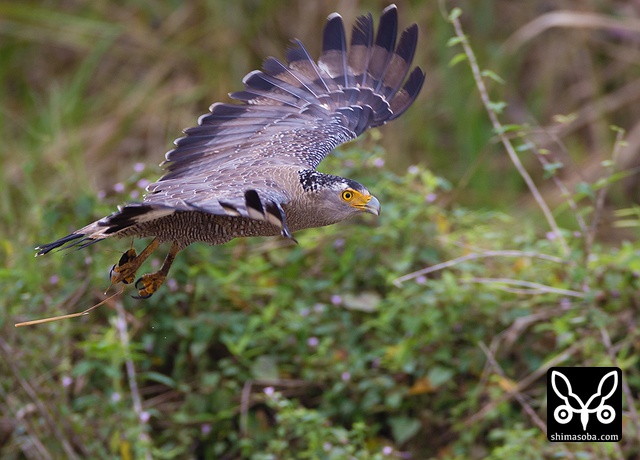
point(72, 315)
point(500, 131)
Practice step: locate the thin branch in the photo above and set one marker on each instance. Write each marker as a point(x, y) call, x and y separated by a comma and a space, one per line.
point(121, 326)
point(625, 385)
point(564, 191)
point(602, 193)
point(516, 392)
point(568, 19)
point(525, 382)
point(7, 352)
point(499, 129)
point(481, 255)
point(529, 286)
point(32, 436)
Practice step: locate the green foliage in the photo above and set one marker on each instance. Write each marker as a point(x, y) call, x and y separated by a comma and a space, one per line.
point(262, 349)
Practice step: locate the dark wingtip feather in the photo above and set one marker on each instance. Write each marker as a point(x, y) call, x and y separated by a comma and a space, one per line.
point(388, 28)
point(408, 43)
point(408, 94)
point(362, 33)
point(333, 60)
point(333, 37)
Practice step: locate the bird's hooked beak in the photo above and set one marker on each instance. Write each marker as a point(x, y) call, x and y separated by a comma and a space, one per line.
point(372, 206)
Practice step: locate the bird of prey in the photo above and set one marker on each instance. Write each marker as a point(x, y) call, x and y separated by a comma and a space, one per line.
point(249, 168)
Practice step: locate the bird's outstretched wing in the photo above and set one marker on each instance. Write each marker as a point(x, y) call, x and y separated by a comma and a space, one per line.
point(246, 159)
point(290, 117)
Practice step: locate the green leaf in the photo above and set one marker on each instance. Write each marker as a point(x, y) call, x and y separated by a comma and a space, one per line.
point(265, 367)
point(455, 14)
point(507, 129)
point(365, 301)
point(457, 59)
point(497, 106)
point(453, 41)
point(404, 428)
point(492, 75)
point(585, 189)
point(439, 375)
point(551, 168)
point(160, 378)
point(525, 147)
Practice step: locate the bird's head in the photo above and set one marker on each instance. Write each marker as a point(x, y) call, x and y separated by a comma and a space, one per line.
point(335, 198)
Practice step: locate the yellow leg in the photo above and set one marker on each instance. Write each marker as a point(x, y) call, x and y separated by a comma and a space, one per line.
point(129, 263)
point(150, 283)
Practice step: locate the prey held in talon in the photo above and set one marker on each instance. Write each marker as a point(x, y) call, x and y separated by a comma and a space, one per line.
point(249, 168)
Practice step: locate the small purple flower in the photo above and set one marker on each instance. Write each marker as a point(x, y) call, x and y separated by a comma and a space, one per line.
point(145, 416)
point(339, 243)
point(53, 279)
point(327, 446)
point(101, 195)
point(121, 323)
point(378, 163)
point(115, 397)
point(431, 197)
point(313, 341)
point(336, 299)
point(138, 167)
point(421, 279)
point(66, 381)
point(413, 169)
point(172, 284)
point(142, 183)
point(551, 236)
point(135, 194)
point(318, 308)
point(269, 391)
point(305, 312)
point(119, 187)
point(345, 376)
point(387, 450)
point(205, 428)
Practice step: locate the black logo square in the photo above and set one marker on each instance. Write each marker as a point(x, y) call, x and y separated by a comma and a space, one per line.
point(584, 404)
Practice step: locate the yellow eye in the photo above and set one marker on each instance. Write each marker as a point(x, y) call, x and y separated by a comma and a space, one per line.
point(347, 195)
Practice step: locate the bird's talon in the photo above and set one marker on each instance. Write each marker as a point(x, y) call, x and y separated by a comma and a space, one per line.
point(140, 297)
point(127, 257)
point(124, 265)
point(148, 284)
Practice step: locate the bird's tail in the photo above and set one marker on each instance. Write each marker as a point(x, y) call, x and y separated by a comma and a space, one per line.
point(113, 225)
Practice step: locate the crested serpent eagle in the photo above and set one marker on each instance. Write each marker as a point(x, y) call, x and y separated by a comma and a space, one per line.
point(249, 168)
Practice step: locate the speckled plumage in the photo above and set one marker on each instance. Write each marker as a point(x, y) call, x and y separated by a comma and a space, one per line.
point(248, 169)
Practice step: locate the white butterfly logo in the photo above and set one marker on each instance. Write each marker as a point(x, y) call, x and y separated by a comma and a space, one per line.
point(573, 404)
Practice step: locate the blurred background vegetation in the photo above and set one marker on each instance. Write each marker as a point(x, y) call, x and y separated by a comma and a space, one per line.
point(263, 350)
